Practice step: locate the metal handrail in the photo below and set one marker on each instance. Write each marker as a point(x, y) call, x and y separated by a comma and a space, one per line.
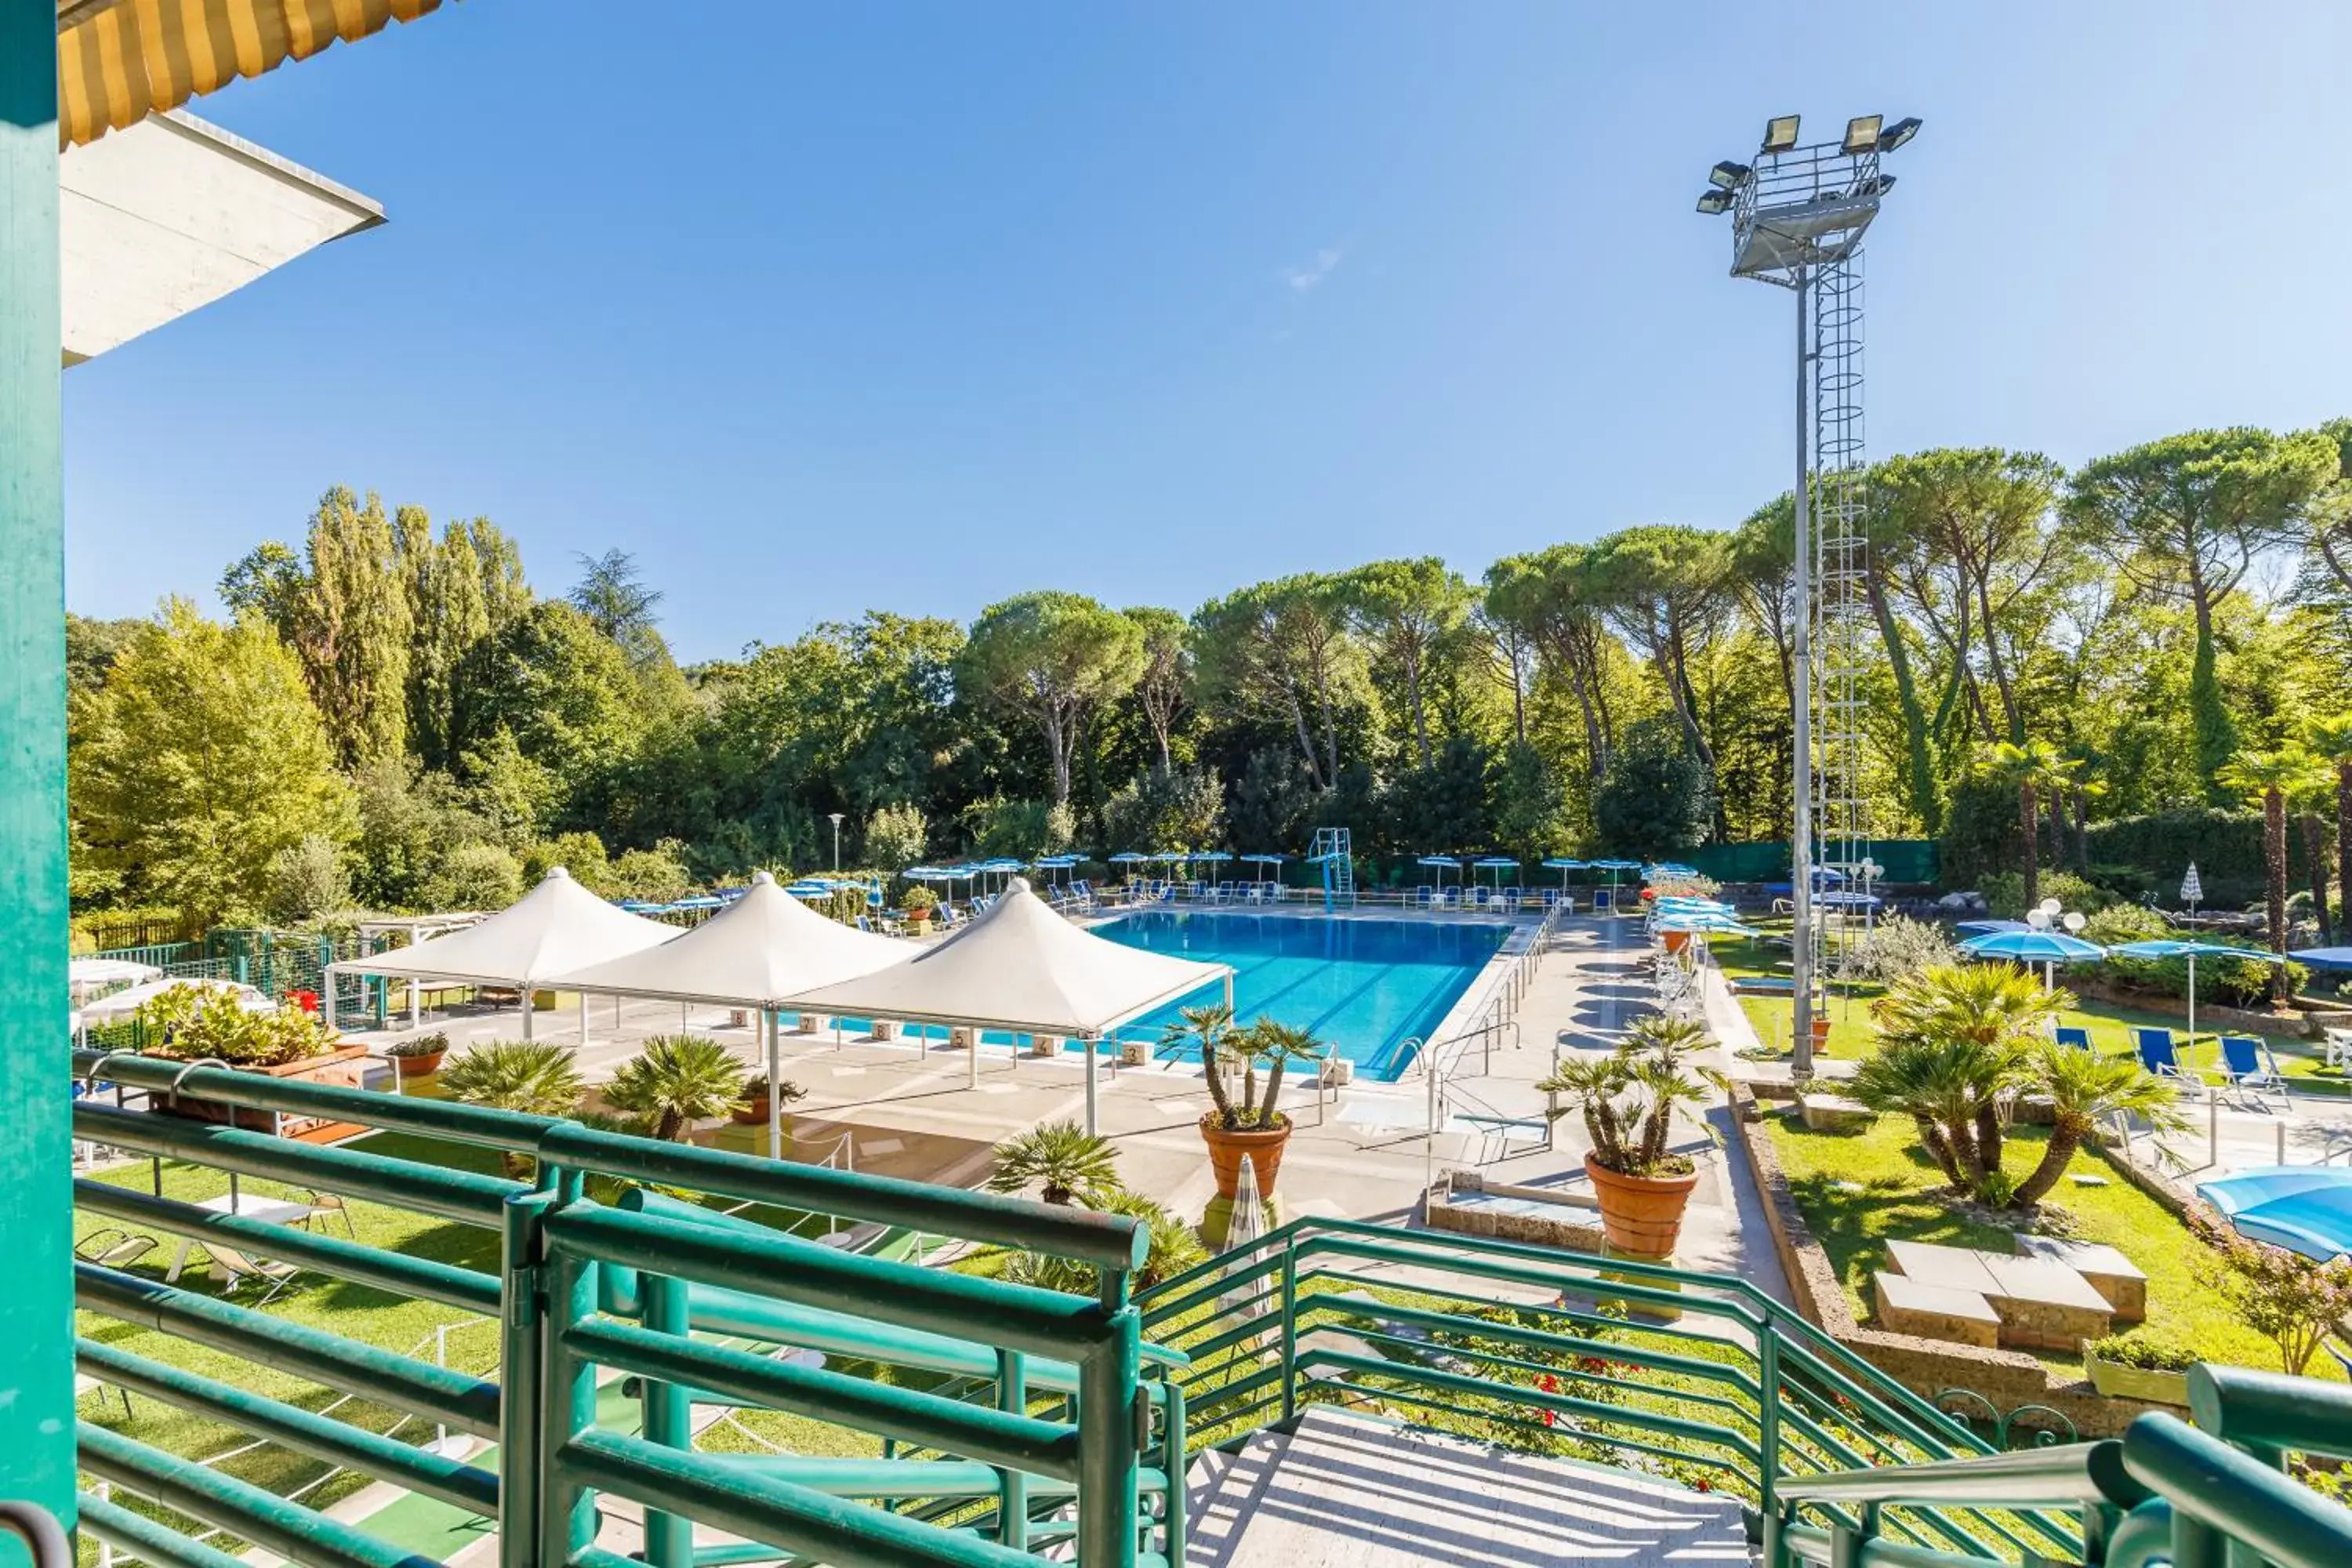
point(574, 1275)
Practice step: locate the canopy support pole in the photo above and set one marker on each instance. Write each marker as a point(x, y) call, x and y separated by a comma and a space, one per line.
point(2192, 1002)
point(415, 1002)
point(327, 1002)
point(584, 1020)
point(527, 1011)
point(972, 1045)
point(771, 1023)
point(1092, 1042)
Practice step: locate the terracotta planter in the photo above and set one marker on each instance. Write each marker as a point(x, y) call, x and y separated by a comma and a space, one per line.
point(1227, 1149)
point(342, 1068)
point(1641, 1215)
point(2119, 1382)
point(1676, 939)
point(752, 1112)
point(418, 1067)
point(1821, 1031)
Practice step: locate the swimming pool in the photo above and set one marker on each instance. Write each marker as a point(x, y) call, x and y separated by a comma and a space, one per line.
point(1366, 986)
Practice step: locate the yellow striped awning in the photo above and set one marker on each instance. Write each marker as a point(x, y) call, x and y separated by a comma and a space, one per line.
point(120, 60)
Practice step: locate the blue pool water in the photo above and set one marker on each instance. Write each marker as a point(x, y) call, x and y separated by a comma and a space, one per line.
point(1366, 986)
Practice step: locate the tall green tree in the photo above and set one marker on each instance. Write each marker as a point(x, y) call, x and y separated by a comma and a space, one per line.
point(1282, 650)
point(1409, 612)
point(199, 761)
point(2186, 518)
point(343, 607)
point(2034, 771)
point(1164, 684)
point(1986, 520)
point(1554, 599)
point(1666, 587)
point(2270, 779)
point(1056, 658)
point(2329, 738)
point(618, 602)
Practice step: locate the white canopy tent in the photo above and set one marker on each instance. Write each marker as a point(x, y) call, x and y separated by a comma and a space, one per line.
point(1023, 967)
point(760, 952)
point(84, 975)
point(556, 927)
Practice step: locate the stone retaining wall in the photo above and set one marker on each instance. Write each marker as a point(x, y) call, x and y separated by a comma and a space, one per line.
point(2009, 1379)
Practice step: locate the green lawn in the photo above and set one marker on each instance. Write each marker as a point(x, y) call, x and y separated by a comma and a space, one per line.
point(1859, 1191)
point(2110, 1024)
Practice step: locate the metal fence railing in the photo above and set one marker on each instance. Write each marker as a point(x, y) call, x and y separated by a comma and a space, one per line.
point(638, 1287)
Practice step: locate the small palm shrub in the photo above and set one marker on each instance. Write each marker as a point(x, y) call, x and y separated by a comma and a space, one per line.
point(676, 1081)
point(534, 1078)
point(1627, 1097)
point(1065, 1163)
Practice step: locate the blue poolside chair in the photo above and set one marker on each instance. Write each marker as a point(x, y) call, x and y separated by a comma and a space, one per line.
point(2070, 1035)
point(1420, 896)
point(2248, 1064)
point(2158, 1054)
point(1550, 897)
point(1601, 899)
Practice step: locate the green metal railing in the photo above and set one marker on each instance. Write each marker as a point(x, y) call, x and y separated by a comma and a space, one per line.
point(1701, 1377)
point(2165, 1492)
point(655, 1290)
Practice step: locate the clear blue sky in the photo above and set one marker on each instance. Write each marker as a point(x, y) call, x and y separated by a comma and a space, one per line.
point(915, 306)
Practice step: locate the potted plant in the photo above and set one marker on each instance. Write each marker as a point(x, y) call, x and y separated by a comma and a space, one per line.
point(1255, 1130)
point(419, 1054)
point(199, 1023)
point(919, 904)
point(1627, 1099)
point(2130, 1366)
point(758, 1094)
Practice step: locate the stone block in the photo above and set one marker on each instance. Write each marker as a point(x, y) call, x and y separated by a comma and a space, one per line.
point(1935, 1311)
point(2119, 1280)
point(1834, 1113)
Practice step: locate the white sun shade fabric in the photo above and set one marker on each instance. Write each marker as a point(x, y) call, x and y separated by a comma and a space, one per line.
point(762, 949)
point(556, 927)
point(124, 1004)
point(1021, 967)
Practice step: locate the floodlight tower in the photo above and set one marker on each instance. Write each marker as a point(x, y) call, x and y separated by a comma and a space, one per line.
point(1798, 217)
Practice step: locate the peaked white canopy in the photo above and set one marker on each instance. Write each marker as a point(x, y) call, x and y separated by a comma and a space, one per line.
point(1023, 967)
point(556, 927)
point(759, 952)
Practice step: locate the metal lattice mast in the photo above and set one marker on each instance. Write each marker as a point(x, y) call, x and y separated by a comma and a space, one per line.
point(1798, 215)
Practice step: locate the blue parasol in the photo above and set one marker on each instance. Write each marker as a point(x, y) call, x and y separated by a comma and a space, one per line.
point(2303, 1208)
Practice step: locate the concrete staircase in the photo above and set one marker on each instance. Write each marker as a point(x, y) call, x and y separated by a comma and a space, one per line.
point(1352, 1490)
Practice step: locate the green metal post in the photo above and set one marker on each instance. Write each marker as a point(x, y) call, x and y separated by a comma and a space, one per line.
point(1289, 1330)
point(1012, 1495)
point(1108, 1445)
point(36, 1460)
point(522, 1392)
point(1768, 1419)
point(567, 1510)
point(668, 1420)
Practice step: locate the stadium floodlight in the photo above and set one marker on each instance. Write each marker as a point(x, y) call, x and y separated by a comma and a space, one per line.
point(1900, 133)
point(1798, 215)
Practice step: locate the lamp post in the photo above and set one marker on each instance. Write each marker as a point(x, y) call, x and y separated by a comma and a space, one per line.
point(837, 838)
point(1799, 214)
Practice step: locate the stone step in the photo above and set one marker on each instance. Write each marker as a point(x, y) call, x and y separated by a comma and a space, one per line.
point(1354, 1489)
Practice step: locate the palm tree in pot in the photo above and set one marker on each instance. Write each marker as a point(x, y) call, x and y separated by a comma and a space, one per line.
point(1255, 1129)
point(1627, 1101)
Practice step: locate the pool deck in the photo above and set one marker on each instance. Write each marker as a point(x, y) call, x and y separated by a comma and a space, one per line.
point(908, 1110)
